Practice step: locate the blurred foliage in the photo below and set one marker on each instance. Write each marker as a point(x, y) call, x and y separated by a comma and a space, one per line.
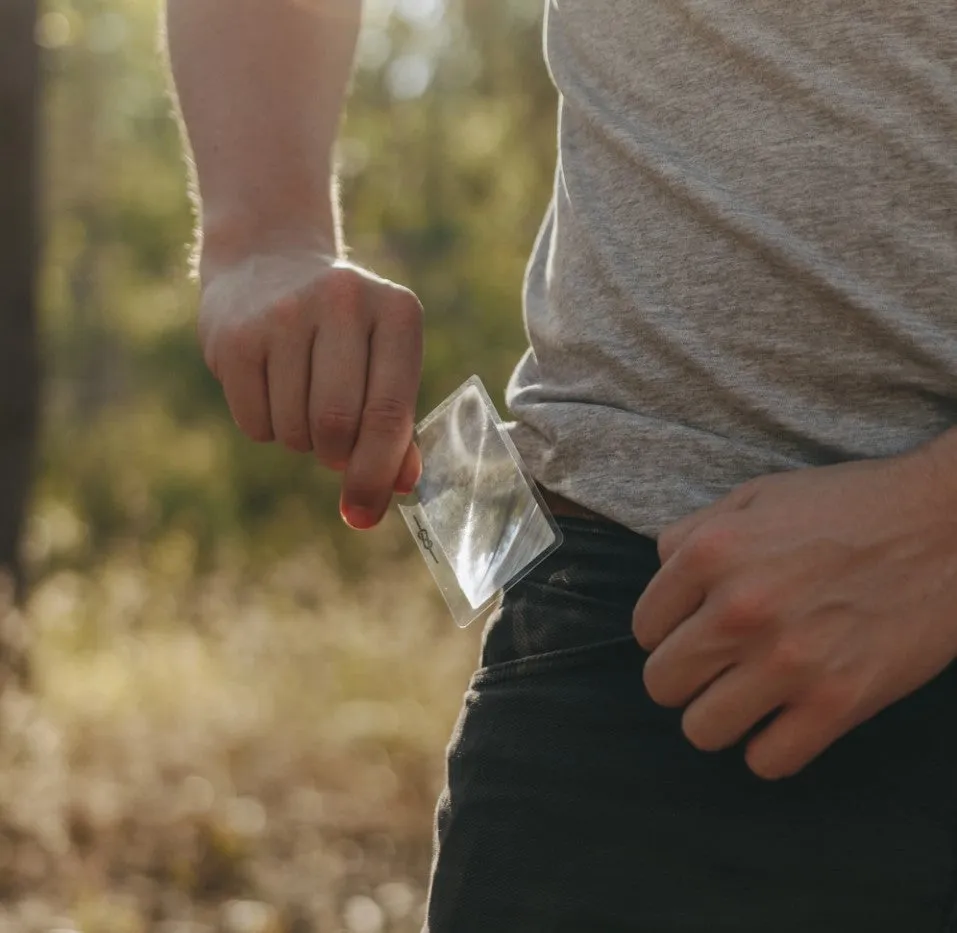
point(446, 158)
point(241, 706)
point(219, 755)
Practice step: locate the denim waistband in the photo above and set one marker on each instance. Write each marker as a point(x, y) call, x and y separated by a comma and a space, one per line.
point(602, 559)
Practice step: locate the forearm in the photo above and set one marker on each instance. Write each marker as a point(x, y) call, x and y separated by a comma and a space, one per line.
point(260, 85)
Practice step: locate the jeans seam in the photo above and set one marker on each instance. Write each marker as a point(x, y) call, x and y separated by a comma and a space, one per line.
point(544, 663)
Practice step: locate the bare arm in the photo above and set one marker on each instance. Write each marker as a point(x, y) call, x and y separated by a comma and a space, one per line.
point(261, 85)
point(311, 350)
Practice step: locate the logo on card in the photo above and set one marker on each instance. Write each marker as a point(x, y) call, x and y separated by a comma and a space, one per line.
point(425, 539)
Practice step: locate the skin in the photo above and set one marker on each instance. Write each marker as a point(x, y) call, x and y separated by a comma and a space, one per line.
point(820, 596)
point(312, 351)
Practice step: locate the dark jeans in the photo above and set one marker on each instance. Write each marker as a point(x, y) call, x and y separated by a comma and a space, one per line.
point(575, 804)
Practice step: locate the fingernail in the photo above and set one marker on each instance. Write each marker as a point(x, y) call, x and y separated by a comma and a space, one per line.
point(359, 518)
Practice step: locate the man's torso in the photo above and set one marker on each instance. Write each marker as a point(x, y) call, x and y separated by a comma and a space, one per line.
point(750, 260)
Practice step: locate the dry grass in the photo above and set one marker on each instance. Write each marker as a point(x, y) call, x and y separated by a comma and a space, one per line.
point(234, 754)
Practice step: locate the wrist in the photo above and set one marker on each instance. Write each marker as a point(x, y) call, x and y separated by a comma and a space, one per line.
point(933, 466)
point(229, 237)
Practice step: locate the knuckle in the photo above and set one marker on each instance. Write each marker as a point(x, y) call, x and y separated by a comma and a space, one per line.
point(639, 628)
point(696, 731)
point(243, 341)
point(666, 542)
point(387, 417)
point(406, 311)
point(341, 288)
point(296, 438)
point(650, 678)
point(653, 690)
point(335, 425)
point(765, 767)
point(260, 432)
point(707, 549)
point(745, 606)
point(287, 313)
point(791, 655)
point(656, 685)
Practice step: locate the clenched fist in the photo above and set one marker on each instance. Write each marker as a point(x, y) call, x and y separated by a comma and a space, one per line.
point(321, 356)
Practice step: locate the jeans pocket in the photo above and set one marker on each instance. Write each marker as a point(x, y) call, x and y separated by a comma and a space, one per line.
point(576, 602)
point(540, 627)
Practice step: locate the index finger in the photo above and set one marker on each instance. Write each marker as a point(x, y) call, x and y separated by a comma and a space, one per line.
point(385, 431)
point(672, 596)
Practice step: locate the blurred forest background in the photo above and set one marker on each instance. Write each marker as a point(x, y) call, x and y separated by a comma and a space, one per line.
point(223, 711)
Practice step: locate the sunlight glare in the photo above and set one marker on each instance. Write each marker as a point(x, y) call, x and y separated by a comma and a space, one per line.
point(409, 76)
point(374, 48)
point(106, 33)
point(54, 30)
point(420, 11)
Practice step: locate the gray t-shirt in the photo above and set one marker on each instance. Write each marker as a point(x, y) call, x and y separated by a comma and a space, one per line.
point(750, 260)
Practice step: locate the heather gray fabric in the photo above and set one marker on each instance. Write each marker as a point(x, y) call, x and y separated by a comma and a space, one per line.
point(750, 261)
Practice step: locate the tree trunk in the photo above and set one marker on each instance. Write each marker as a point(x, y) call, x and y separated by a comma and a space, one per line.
point(19, 237)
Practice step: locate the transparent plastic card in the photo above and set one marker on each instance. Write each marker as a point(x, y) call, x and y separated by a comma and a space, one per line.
point(476, 513)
